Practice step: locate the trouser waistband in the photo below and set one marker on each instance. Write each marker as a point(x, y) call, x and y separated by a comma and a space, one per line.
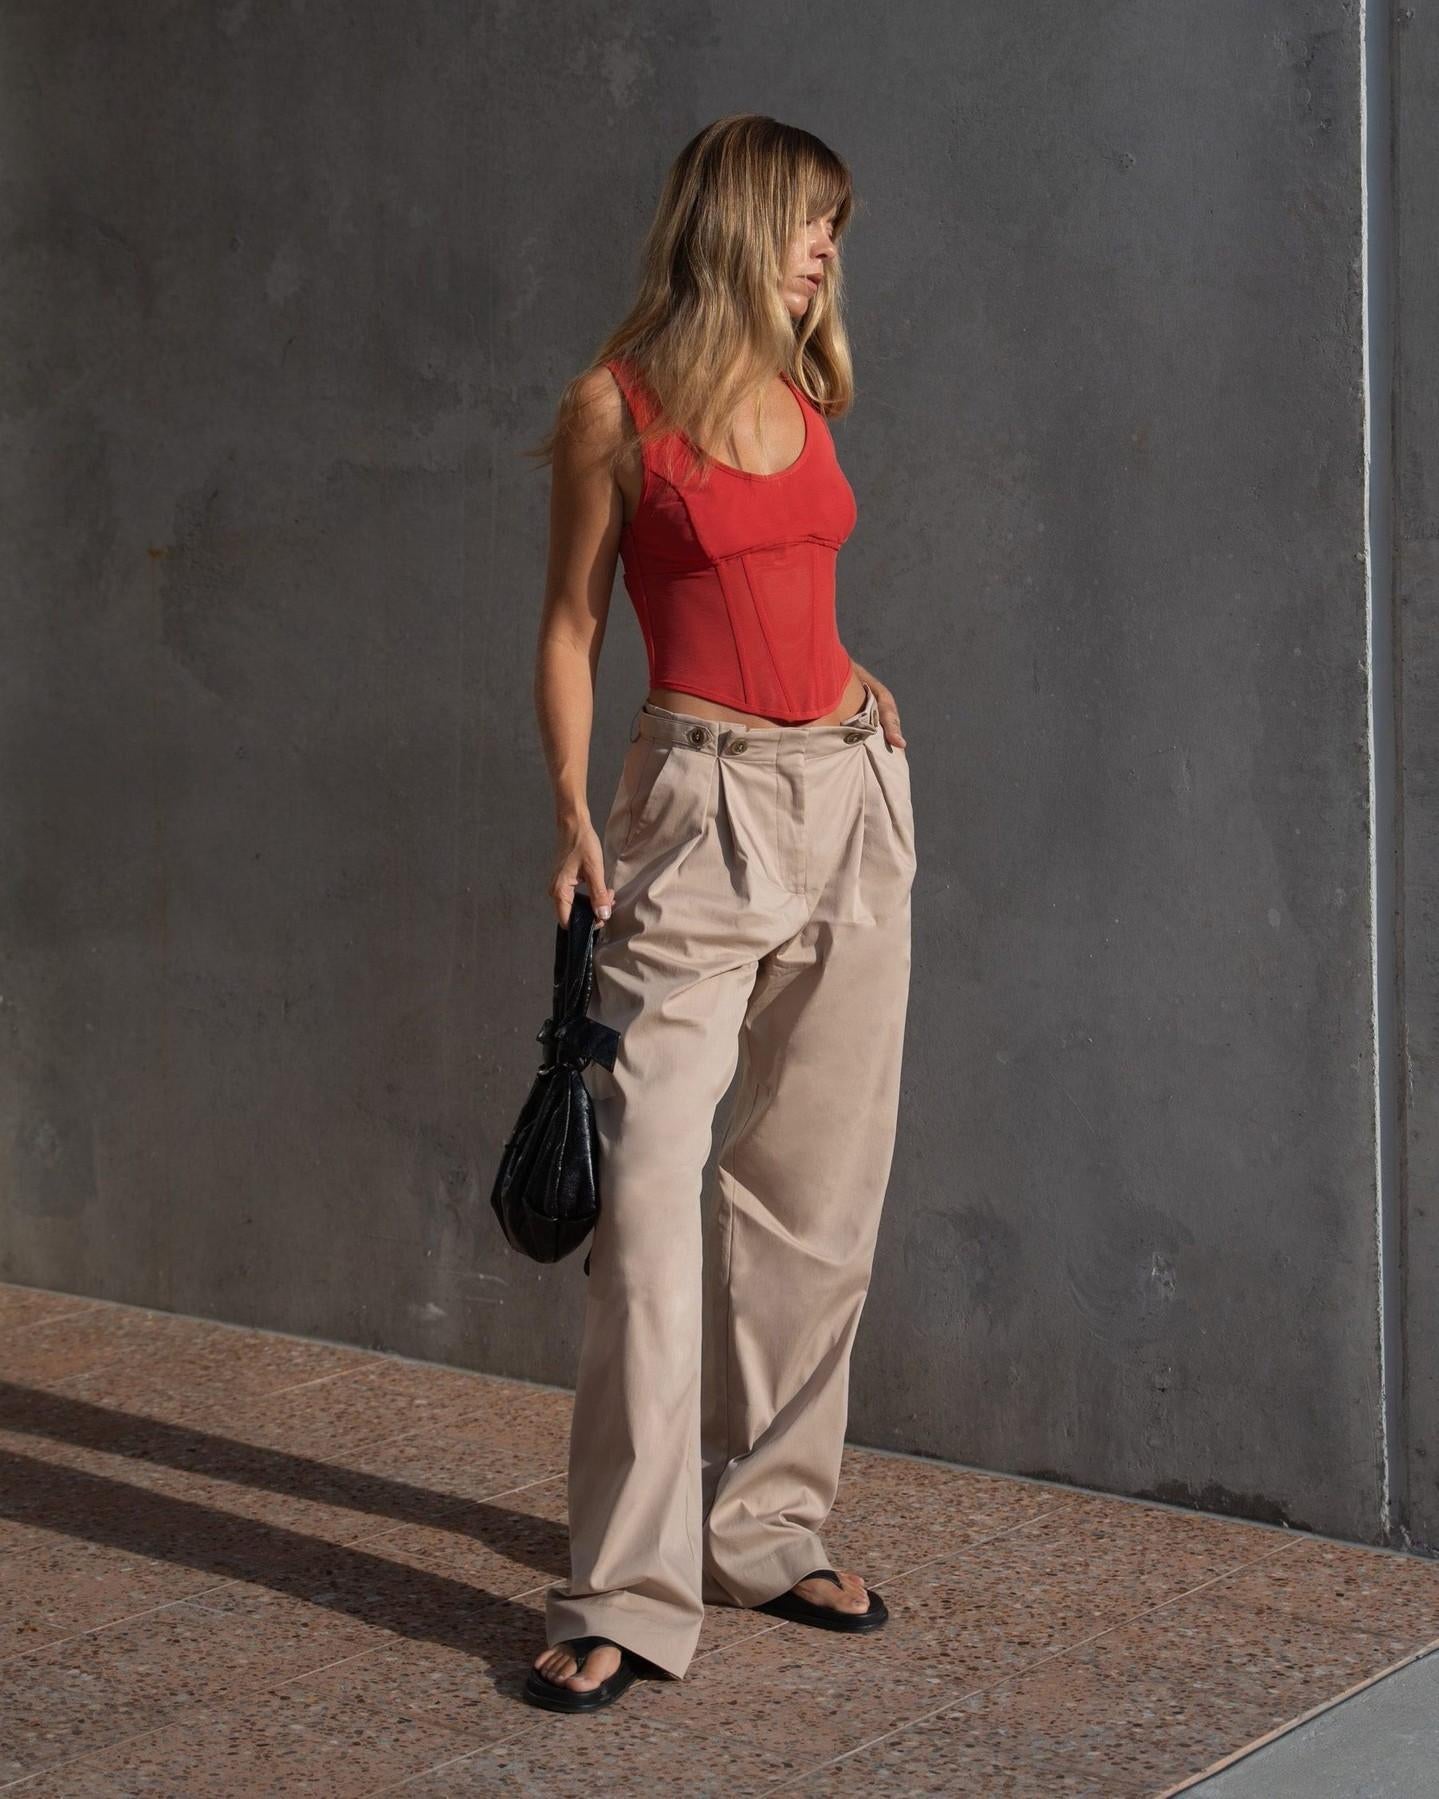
point(759, 743)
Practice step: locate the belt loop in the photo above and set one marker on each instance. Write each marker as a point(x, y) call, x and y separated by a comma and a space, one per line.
point(635, 725)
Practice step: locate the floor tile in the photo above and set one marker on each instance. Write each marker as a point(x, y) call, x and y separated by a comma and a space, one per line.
point(1005, 1602)
point(147, 1672)
point(67, 1587)
point(20, 1306)
point(793, 1688)
point(1066, 1737)
point(1345, 1587)
point(891, 1516)
point(85, 1340)
point(1280, 1658)
point(283, 1743)
point(504, 1546)
point(466, 1687)
point(612, 1752)
point(215, 1362)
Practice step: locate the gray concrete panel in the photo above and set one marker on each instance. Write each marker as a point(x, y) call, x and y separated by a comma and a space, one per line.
point(1416, 562)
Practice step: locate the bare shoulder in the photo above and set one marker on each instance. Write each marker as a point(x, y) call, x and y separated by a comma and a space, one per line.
point(596, 419)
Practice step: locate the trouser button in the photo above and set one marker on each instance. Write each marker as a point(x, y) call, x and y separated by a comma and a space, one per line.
point(697, 734)
point(853, 736)
point(737, 744)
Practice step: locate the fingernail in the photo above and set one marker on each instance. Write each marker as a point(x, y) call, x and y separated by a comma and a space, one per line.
point(603, 912)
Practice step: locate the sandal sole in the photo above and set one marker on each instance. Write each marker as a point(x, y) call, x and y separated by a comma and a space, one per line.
point(552, 1697)
point(824, 1617)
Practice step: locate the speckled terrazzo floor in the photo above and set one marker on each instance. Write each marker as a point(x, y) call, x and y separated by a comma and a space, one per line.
point(239, 1563)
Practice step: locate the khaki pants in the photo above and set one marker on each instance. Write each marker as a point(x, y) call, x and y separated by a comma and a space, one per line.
point(761, 921)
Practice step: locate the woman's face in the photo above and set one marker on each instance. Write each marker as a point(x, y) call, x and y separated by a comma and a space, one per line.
point(811, 255)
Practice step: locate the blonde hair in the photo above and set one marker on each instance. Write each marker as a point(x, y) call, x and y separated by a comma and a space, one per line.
point(709, 325)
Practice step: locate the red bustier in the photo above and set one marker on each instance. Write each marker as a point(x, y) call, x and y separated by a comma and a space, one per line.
point(733, 580)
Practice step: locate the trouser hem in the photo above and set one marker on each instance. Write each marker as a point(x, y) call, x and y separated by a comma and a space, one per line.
point(669, 1645)
point(775, 1573)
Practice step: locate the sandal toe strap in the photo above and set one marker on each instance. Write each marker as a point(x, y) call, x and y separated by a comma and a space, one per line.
point(580, 1647)
point(825, 1574)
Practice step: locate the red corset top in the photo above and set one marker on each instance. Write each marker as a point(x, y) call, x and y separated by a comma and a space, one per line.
point(733, 580)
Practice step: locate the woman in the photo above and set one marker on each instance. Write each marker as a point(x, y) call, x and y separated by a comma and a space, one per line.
point(761, 843)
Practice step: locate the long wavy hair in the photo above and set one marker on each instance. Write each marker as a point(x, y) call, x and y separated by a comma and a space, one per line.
point(709, 326)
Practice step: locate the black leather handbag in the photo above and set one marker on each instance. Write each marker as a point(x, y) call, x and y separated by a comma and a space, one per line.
point(547, 1190)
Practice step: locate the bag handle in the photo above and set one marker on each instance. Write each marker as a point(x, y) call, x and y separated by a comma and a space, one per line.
point(570, 1038)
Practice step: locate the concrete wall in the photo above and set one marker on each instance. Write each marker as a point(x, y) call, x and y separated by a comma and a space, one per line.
point(288, 288)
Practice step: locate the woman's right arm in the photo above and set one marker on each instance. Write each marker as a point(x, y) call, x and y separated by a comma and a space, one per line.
point(586, 515)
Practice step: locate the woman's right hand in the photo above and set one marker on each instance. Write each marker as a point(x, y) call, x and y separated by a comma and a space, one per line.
point(581, 859)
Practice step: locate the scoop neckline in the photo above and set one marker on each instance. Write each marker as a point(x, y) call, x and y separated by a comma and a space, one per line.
point(778, 474)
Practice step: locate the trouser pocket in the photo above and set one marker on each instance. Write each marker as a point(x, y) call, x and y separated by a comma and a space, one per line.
point(662, 796)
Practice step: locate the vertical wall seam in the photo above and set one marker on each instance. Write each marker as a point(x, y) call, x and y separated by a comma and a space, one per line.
point(1377, 262)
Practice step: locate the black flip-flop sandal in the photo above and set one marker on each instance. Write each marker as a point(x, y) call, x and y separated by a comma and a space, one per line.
point(795, 1610)
point(540, 1690)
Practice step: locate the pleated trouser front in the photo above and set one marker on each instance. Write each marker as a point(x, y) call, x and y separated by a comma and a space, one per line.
point(761, 922)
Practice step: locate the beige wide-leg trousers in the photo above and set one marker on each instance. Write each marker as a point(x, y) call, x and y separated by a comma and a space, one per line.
point(761, 921)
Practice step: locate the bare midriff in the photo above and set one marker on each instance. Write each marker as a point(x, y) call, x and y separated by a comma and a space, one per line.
point(674, 701)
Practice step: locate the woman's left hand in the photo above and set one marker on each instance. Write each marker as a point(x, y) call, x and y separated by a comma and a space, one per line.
point(888, 711)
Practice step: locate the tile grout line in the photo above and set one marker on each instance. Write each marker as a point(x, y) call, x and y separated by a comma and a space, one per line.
point(259, 1398)
point(539, 1480)
point(62, 1387)
point(531, 1727)
point(201, 1714)
point(370, 1358)
point(995, 1536)
point(78, 1310)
